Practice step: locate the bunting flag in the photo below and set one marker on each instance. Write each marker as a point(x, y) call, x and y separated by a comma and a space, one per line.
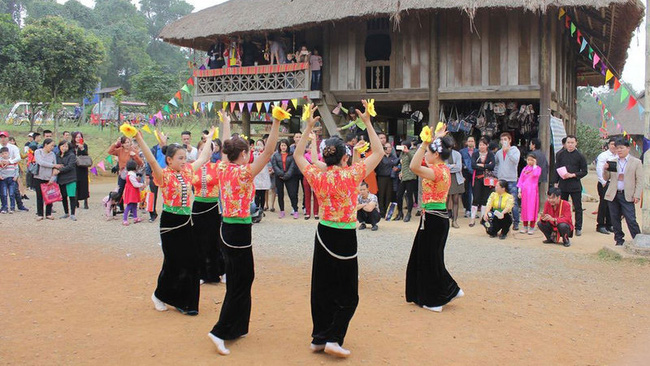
point(562, 12)
point(641, 111)
point(209, 106)
point(285, 104)
point(232, 107)
point(250, 106)
point(624, 94)
point(190, 81)
point(579, 37)
point(267, 105)
point(173, 102)
point(159, 115)
point(259, 106)
point(101, 165)
point(591, 53)
point(584, 45)
point(166, 109)
point(608, 75)
point(146, 129)
point(617, 84)
point(152, 121)
point(567, 23)
point(596, 59)
point(573, 28)
point(178, 95)
point(241, 106)
point(295, 103)
point(224, 106)
point(631, 103)
point(186, 89)
point(93, 170)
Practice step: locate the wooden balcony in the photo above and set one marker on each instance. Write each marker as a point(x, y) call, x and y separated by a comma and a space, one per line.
point(253, 83)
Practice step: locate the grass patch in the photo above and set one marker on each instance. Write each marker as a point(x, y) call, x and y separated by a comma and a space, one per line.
point(607, 254)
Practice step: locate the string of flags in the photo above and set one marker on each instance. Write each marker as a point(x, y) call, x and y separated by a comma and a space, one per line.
point(606, 114)
point(599, 64)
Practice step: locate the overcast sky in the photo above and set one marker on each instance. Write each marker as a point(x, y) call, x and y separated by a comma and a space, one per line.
point(633, 74)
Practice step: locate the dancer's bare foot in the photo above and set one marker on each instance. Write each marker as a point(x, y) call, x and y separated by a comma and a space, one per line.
point(159, 305)
point(221, 346)
point(317, 347)
point(335, 349)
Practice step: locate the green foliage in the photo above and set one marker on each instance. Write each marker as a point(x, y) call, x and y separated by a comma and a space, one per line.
point(17, 78)
point(153, 86)
point(589, 141)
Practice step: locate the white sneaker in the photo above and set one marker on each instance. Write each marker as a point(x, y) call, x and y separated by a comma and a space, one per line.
point(458, 295)
point(201, 282)
point(524, 230)
point(437, 309)
point(531, 231)
point(223, 278)
point(159, 305)
point(317, 347)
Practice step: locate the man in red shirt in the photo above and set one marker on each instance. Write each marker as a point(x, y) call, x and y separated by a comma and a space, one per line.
point(556, 222)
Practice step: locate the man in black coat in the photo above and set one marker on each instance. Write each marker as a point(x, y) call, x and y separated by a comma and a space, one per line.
point(576, 168)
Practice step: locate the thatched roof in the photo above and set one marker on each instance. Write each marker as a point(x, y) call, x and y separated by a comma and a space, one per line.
point(610, 21)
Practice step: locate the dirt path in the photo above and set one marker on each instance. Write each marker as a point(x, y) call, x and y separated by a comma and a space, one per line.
point(81, 296)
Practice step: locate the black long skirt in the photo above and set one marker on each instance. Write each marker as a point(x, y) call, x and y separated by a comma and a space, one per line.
point(240, 273)
point(83, 192)
point(178, 282)
point(334, 283)
point(206, 221)
point(428, 283)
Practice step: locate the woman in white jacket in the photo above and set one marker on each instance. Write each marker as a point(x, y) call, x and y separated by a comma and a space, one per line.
point(263, 179)
point(455, 164)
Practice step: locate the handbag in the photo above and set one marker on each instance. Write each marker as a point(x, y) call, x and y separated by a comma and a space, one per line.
point(51, 193)
point(33, 168)
point(84, 161)
point(499, 108)
point(453, 125)
point(489, 180)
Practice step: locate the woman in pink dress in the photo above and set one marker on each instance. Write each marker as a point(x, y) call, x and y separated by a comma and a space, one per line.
point(529, 194)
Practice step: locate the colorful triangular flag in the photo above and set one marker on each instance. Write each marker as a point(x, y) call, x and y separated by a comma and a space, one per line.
point(173, 102)
point(259, 106)
point(608, 75)
point(561, 14)
point(241, 106)
point(295, 103)
point(224, 106)
point(186, 89)
point(178, 95)
point(158, 115)
point(641, 110)
point(196, 106)
point(190, 81)
point(166, 108)
point(209, 106)
point(101, 165)
point(232, 107)
point(591, 53)
point(93, 170)
point(573, 29)
point(250, 106)
point(617, 84)
point(584, 45)
point(567, 22)
point(624, 94)
point(146, 129)
point(596, 59)
point(579, 37)
point(267, 105)
point(631, 103)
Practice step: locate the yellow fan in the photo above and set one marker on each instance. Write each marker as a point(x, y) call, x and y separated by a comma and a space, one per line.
point(216, 134)
point(280, 114)
point(440, 126)
point(363, 148)
point(371, 107)
point(306, 112)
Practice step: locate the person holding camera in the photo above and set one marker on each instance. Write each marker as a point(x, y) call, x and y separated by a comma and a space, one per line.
point(499, 218)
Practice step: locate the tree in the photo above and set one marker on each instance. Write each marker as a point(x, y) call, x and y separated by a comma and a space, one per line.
point(66, 56)
point(589, 141)
point(153, 86)
point(17, 78)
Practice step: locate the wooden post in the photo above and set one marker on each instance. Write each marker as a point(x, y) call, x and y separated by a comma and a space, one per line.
point(644, 239)
point(246, 123)
point(545, 92)
point(434, 72)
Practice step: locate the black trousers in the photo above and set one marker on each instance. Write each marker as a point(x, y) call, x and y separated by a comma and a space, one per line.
point(154, 189)
point(334, 283)
point(240, 273)
point(554, 233)
point(73, 200)
point(603, 219)
point(502, 225)
point(206, 221)
point(480, 193)
point(39, 199)
point(576, 200)
point(410, 187)
point(121, 184)
point(292, 189)
point(260, 198)
point(618, 208)
point(468, 195)
point(365, 217)
point(384, 193)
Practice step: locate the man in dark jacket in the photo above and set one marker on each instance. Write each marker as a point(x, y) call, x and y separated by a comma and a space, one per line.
point(384, 180)
point(576, 168)
point(542, 162)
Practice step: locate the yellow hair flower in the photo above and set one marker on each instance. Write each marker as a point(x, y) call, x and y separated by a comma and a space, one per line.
point(280, 114)
point(306, 112)
point(128, 130)
point(371, 108)
point(244, 137)
point(363, 148)
point(426, 135)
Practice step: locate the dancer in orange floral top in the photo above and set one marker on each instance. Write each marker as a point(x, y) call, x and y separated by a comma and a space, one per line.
point(235, 175)
point(428, 284)
point(206, 217)
point(178, 282)
point(335, 278)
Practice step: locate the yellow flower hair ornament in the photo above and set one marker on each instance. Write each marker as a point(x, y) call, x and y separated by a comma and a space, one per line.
point(363, 148)
point(426, 136)
point(371, 108)
point(243, 137)
point(128, 130)
point(280, 114)
point(306, 112)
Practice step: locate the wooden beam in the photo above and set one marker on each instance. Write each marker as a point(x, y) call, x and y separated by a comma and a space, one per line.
point(399, 95)
point(611, 30)
point(258, 97)
point(545, 90)
point(246, 123)
point(493, 95)
point(434, 70)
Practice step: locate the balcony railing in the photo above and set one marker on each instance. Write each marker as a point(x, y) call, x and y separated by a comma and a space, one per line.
point(253, 79)
point(378, 76)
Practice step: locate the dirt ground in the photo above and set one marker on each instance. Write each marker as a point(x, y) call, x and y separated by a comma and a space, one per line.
point(79, 295)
